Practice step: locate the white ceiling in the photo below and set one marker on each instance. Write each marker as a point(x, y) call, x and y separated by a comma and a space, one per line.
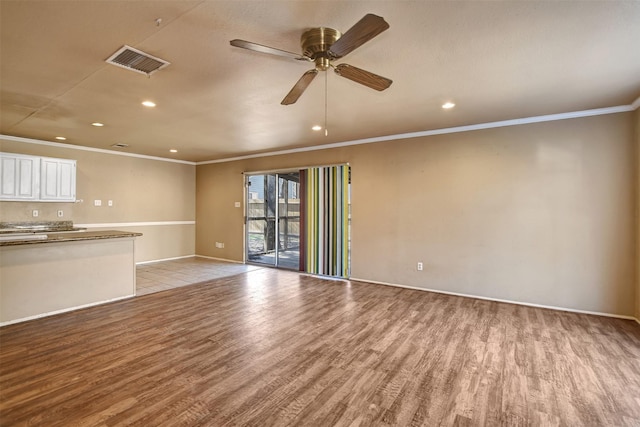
point(496, 60)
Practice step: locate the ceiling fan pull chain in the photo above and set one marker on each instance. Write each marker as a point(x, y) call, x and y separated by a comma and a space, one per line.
point(326, 95)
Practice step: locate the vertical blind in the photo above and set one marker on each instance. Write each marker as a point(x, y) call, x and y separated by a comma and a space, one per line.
point(326, 216)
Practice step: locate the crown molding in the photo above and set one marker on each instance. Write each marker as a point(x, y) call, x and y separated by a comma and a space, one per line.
point(95, 150)
point(442, 131)
point(457, 129)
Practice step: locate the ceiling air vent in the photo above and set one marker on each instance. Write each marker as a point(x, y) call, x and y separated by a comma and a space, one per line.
point(120, 145)
point(136, 60)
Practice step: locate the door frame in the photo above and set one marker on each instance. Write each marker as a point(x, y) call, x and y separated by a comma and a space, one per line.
point(277, 175)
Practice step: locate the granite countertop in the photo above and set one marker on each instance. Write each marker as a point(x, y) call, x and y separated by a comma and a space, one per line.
point(39, 238)
point(37, 227)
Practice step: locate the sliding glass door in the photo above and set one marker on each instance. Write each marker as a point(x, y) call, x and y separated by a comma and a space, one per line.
point(273, 219)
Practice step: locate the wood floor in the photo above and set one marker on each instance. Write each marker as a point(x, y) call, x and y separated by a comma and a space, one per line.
point(271, 347)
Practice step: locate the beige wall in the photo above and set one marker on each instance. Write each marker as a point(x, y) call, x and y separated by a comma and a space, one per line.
point(637, 120)
point(540, 213)
point(143, 191)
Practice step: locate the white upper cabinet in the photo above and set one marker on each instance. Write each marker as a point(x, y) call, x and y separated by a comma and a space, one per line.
point(31, 178)
point(57, 180)
point(20, 177)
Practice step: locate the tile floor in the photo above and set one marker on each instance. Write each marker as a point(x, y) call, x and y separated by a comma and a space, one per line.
point(163, 275)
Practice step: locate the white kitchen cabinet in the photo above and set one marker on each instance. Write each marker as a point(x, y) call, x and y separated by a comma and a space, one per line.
point(32, 178)
point(57, 180)
point(20, 176)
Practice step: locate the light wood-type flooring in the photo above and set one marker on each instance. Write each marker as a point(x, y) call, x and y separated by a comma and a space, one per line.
point(270, 347)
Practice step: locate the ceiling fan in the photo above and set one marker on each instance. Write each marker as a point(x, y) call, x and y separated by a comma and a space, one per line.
point(322, 46)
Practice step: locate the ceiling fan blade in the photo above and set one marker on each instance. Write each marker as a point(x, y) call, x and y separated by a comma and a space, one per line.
point(299, 87)
point(363, 31)
point(363, 77)
point(266, 49)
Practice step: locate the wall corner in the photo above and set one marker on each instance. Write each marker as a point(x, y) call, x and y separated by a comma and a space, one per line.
point(637, 203)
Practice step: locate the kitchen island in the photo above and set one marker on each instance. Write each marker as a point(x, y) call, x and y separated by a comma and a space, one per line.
point(48, 273)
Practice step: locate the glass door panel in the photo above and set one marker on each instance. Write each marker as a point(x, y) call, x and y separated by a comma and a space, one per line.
point(261, 219)
point(289, 221)
point(273, 210)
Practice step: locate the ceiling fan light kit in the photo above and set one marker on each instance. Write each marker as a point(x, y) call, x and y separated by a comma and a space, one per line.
point(324, 45)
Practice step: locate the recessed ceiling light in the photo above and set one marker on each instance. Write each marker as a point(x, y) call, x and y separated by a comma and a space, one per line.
point(97, 124)
point(448, 105)
point(316, 128)
point(173, 151)
point(61, 138)
point(149, 104)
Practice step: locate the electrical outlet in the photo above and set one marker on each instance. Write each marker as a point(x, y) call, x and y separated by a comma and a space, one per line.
point(420, 266)
point(35, 213)
point(237, 204)
point(60, 213)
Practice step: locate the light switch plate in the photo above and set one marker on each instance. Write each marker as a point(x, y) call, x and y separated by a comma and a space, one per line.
point(237, 204)
point(97, 203)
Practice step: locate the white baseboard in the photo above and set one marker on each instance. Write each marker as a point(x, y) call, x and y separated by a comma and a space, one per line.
point(64, 310)
point(550, 307)
point(219, 259)
point(188, 256)
point(164, 259)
